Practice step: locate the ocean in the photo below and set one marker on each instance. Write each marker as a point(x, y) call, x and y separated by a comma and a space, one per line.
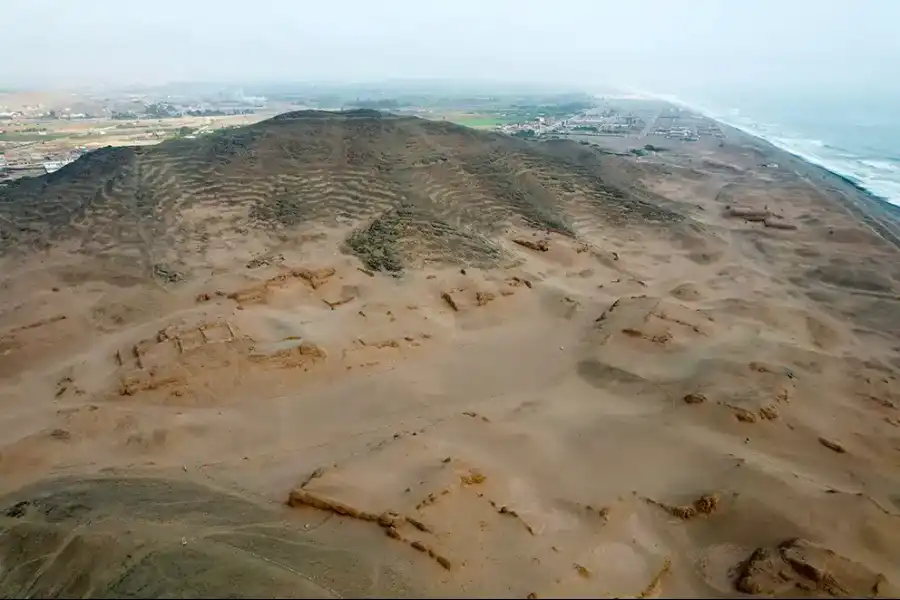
point(855, 135)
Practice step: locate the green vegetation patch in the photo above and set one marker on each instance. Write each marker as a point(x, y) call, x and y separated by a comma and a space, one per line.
point(376, 244)
point(407, 236)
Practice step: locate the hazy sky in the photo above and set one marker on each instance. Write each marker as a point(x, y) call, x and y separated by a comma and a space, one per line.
point(664, 45)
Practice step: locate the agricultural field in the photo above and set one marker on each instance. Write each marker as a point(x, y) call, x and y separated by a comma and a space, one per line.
point(481, 120)
point(104, 132)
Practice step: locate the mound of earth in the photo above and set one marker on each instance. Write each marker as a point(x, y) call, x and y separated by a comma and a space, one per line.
point(158, 538)
point(412, 188)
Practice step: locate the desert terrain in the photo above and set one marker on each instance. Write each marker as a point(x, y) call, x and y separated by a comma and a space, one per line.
point(348, 355)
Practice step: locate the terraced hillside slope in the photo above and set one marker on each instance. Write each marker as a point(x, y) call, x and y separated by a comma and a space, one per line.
point(423, 191)
point(356, 355)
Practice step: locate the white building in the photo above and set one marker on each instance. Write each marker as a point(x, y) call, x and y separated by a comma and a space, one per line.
point(52, 166)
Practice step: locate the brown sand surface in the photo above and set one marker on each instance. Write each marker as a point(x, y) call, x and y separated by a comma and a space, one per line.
point(705, 407)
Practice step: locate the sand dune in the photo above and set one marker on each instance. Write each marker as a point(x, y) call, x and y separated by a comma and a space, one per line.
point(708, 407)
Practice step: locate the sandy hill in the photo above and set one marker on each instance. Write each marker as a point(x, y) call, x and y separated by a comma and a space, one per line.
point(356, 355)
point(426, 191)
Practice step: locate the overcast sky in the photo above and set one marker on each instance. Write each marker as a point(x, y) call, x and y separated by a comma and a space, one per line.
point(662, 45)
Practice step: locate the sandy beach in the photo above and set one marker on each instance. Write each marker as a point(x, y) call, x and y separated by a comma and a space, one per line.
point(708, 407)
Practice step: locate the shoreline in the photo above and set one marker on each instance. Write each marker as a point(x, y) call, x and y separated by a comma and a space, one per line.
point(847, 179)
point(709, 114)
point(877, 213)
